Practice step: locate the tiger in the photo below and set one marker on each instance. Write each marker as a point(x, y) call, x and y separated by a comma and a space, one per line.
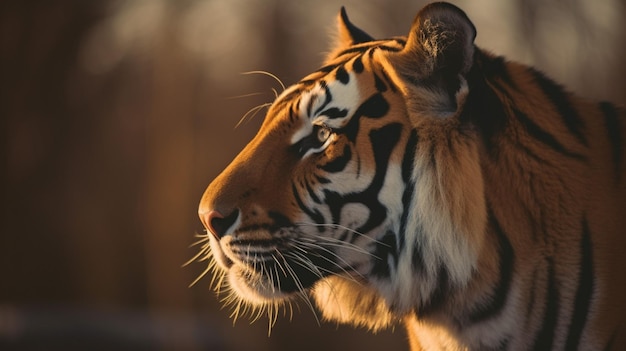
point(424, 182)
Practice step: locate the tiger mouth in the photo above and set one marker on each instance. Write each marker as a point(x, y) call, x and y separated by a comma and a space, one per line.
point(261, 270)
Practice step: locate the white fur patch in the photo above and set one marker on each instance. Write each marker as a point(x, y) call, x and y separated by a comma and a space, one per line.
point(344, 97)
point(354, 215)
point(346, 301)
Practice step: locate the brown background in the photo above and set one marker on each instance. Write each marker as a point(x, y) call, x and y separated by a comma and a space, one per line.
point(115, 115)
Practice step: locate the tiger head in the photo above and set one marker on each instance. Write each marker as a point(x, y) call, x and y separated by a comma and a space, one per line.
point(363, 185)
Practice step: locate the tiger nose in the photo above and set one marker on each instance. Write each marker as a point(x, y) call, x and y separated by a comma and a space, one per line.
point(216, 223)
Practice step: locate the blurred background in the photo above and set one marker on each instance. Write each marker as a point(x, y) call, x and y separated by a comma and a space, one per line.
point(115, 116)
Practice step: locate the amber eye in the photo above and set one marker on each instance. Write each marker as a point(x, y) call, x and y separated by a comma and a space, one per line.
point(323, 133)
point(315, 141)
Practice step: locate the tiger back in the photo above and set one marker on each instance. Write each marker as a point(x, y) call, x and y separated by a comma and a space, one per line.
point(423, 181)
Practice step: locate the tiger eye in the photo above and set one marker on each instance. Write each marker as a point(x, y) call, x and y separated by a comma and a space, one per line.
point(323, 134)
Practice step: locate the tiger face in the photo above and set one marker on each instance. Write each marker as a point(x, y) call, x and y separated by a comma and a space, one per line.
point(318, 192)
point(320, 200)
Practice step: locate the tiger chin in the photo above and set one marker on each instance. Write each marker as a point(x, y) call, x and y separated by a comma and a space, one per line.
point(421, 180)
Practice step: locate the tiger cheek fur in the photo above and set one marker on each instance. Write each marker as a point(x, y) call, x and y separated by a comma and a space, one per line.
point(421, 180)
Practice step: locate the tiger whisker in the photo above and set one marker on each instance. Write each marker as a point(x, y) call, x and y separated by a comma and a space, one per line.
point(290, 310)
point(301, 289)
point(284, 262)
point(203, 239)
point(349, 276)
point(252, 112)
point(243, 95)
point(256, 312)
point(202, 255)
point(275, 93)
point(318, 270)
point(235, 313)
point(219, 281)
point(216, 272)
point(306, 263)
point(339, 226)
point(207, 270)
point(279, 265)
point(340, 244)
point(267, 74)
point(319, 247)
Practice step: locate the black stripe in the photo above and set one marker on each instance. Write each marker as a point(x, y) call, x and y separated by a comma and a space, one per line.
point(545, 336)
point(370, 53)
point(324, 70)
point(374, 107)
point(333, 113)
point(530, 305)
point(408, 164)
point(356, 49)
point(322, 180)
point(557, 95)
point(357, 65)
point(388, 81)
point(315, 215)
point(438, 297)
point(400, 41)
point(417, 256)
point(383, 142)
point(327, 68)
point(339, 163)
point(328, 97)
point(379, 83)
point(543, 136)
point(312, 192)
point(342, 75)
point(484, 107)
point(497, 68)
point(389, 48)
point(614, 129)
point(584, 293)
point(386, 248)
point(407, 197)
point(501, 291)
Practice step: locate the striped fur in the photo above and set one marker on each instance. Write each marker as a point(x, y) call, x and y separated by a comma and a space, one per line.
point(424, 181)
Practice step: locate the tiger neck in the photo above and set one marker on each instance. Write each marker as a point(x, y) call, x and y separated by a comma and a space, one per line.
point(449, 319)
point(447, 316)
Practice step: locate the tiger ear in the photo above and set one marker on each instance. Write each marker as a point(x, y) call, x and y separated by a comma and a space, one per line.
point(347, 33)
point(438, 54)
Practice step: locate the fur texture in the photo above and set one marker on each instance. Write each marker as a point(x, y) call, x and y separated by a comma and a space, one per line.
point(421, 180)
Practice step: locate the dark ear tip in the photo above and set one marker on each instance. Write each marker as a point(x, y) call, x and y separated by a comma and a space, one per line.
point(355, 34)
point(441, 7)
point(445, 10)
point(343, 14)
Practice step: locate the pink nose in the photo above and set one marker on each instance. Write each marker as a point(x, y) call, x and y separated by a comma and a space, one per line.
point(209, 219)
point(217, 224)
